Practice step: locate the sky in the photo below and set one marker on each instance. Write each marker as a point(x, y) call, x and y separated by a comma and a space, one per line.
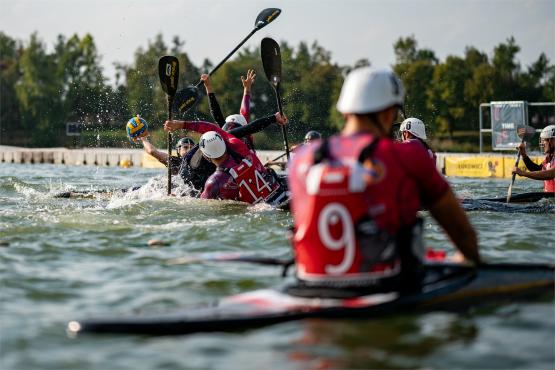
point(349, 29)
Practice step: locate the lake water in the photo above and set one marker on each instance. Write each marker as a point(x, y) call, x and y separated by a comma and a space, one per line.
point(62, 259)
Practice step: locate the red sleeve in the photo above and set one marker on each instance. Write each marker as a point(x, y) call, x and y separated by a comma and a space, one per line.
point(245, 106)
point(211, 189)
point(417, 162)
point(235, 144)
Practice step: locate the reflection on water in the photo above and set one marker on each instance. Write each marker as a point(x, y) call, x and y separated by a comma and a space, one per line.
point(399, 342)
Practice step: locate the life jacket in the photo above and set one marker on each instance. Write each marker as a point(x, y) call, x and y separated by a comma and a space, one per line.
point(340, 244)
point(549, 185)
point(255, 184)
point(195, 169)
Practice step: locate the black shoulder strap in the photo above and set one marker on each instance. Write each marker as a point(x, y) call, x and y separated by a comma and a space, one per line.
point(322, 152)
point(368, 150)
point(235, 155)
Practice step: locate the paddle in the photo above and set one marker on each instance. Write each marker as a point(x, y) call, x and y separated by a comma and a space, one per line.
point(168, 70)
point(525, 134)
point(234, 257)
point(272, 161)
point(191, 95)
point(91, 193)
point(271, 61)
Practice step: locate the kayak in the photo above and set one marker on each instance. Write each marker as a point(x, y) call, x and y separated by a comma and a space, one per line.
point(91, 193)
point(524, 203)
point(519, 198)
point(448, 287)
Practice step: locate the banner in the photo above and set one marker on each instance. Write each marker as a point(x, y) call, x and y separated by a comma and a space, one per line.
point(490, 166)
point(506, 118)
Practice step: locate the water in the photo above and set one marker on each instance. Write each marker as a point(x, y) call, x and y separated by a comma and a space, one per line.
point(62, 259)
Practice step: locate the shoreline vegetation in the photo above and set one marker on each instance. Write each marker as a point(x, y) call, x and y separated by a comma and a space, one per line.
point(42, 90)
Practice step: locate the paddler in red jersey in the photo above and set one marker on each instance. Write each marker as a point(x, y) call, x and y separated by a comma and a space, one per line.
point(413, 129)
point(231, 155)
point(355, 197)
point(546, 170)
point(220, 185)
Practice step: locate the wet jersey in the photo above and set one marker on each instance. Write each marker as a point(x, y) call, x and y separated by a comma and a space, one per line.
point(220, 185)
point(255, 186)
point(547, 164)
point(430, 151)
point(251, 173)
point(350, 213)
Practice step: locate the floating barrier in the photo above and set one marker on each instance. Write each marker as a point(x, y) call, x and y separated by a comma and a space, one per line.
point(450, 164)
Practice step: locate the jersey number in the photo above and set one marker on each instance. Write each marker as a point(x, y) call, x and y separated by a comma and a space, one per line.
point(260, 185)
point(330, 216)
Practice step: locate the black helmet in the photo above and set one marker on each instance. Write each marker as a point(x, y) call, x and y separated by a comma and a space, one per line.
point(184, 141)
point(312, 135)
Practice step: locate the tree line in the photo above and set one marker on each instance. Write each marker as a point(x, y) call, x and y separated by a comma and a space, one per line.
point(41, 90)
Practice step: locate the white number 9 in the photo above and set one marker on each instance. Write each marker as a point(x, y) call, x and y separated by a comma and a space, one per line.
point(331, 215)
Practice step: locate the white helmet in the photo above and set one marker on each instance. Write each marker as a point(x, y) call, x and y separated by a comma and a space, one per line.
point(415, 127)
point(368, 90)
point(212, 145)
point(548, 132)
point(236, 118)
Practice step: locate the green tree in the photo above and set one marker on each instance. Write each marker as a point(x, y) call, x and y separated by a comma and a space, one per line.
point(38, 92)
point(416, 68)
point(9, 75)
point(84, 86)
point(446, 94)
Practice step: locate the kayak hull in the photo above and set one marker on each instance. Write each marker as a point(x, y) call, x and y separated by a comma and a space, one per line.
point(446, 287)
point(519, 198)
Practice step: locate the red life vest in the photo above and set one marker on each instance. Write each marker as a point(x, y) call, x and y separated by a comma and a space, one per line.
point(549, 185)
point(339, 243)
point(255, 184)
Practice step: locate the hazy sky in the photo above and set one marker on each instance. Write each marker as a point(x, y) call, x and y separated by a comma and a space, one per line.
point(350, 29)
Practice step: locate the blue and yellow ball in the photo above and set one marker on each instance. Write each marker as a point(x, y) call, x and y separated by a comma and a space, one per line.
point(135, 127)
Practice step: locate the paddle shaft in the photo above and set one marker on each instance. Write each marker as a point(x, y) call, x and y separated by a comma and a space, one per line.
point(275, 159)
point(228, 56)
point(280, 109)
point(510, 190)
point(170, 116)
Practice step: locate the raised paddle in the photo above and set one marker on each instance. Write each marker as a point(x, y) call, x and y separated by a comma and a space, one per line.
point(190, 95)
point(526, 133)
point(271, 61)
point(168, 70)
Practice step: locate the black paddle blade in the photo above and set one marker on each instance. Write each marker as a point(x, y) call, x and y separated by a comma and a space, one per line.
point(271, 60)
point(526, 133)
point(185, 99)
point(168, 70)
point(266, 16)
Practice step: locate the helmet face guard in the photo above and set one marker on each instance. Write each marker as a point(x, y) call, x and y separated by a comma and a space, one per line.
point(312, 135)
point(184, 141)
